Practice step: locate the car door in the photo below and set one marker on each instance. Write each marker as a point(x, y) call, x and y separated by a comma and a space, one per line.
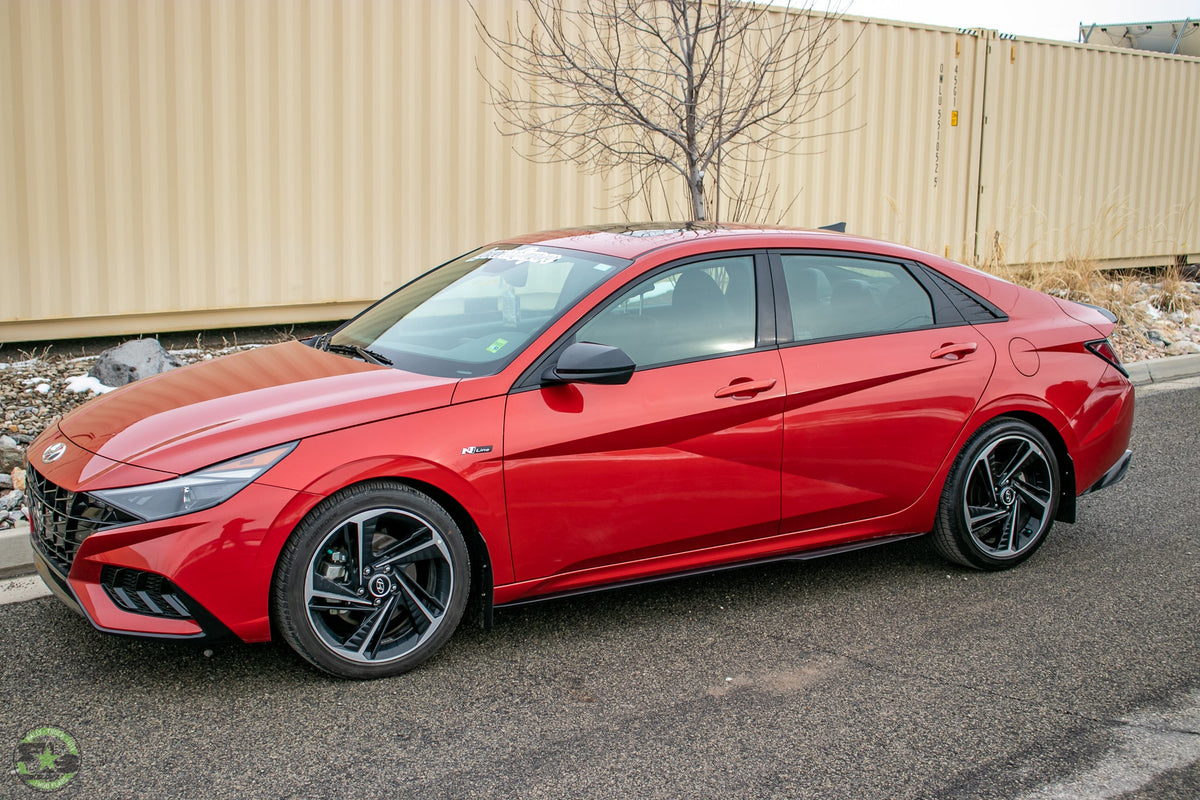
point(882, 373)
point(685, 456)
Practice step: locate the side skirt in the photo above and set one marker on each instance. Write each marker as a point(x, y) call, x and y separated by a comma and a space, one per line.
point(804, 555)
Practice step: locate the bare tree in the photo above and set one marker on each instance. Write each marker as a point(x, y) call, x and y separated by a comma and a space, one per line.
point(684, 86)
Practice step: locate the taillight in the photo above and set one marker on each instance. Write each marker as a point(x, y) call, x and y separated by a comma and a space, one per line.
point(1104, 350)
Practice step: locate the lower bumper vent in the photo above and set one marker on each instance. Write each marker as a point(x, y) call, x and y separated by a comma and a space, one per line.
point(143, 593)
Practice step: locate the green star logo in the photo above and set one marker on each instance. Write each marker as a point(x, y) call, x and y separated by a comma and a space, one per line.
point(47, 758)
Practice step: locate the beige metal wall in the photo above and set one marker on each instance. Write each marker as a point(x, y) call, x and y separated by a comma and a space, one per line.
point(191, 164)
point(894, 161)
point(973, 146)
point(167, 164)
point(1090, 152)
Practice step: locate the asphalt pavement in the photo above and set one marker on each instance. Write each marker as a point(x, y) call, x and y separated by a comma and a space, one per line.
point(884, 673)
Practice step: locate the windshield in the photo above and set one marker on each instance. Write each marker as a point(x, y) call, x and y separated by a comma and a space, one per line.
point(473, 315)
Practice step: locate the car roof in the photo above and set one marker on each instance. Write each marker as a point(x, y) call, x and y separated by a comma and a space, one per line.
point(629, 241)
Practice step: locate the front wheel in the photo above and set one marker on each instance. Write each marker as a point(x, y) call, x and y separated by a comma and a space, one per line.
point(1000, 498)
point(373, 582)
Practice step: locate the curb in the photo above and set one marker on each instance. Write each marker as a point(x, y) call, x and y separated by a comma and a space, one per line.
point(16, 558)
point(1157, 370)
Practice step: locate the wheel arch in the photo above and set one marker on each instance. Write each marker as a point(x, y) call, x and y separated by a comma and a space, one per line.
point(479, 603)
point(1062, 454)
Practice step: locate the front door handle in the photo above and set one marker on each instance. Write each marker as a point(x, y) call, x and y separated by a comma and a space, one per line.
point(742, 388)
point(953, 352)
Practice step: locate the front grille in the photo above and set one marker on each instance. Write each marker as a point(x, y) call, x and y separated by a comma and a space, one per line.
point(143, 592)
point(60, 519)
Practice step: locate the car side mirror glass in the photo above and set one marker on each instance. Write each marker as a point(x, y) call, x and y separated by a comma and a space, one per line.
point(587, 362)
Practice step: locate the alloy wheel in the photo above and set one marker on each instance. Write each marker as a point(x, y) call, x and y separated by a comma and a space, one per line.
point(1008, 498)
point(378, 585)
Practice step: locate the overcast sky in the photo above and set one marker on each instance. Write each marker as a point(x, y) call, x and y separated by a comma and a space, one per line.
point(1043, 19)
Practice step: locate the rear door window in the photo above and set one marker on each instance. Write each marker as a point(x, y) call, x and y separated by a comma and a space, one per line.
point(833, 297)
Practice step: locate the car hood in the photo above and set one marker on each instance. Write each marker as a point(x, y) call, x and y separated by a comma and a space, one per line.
point(192, 417)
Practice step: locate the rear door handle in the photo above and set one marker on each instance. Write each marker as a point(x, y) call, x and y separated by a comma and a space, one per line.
point(953, 352)
point(744, 387)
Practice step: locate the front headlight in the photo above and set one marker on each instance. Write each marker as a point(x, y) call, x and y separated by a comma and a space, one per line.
point(195, 491)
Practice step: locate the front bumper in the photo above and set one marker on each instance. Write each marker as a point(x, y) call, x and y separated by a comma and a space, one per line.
point(189, 619)
point(201, 576)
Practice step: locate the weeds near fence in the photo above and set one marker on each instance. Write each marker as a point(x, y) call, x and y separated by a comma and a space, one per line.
point(1136, 298)
point(1172, 294)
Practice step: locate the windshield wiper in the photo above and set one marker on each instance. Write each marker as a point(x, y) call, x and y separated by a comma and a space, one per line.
point(361, 352)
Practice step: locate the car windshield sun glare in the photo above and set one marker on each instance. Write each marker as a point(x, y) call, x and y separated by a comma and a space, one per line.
point(473, 315)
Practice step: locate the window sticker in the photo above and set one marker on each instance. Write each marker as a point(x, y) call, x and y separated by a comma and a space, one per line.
point(520, 255)
point(497, 346)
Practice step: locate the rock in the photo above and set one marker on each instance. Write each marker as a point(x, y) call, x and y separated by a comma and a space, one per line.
point(11, 458)
point(6, 481)
point(1183, 348)
point(7, 441)
point(11, 500)
point(22, 439)
point(17, 476)
point(131, 361)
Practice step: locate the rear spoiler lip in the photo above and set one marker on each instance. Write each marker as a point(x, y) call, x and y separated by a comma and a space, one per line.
point(1101, 320)
point(1110, 316)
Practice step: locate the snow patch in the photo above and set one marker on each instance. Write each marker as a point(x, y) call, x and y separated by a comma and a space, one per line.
point(1149, 310)
point(86, 383)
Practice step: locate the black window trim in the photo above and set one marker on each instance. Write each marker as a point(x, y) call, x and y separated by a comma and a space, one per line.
point(945, 313)
point(766, 335)
point(929, 273)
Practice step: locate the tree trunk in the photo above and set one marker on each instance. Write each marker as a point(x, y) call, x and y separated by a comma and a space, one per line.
point(696, 186)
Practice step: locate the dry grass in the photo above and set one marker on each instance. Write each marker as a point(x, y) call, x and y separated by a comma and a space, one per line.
point(1082, 279)
point(1172, 294)
point(1079, 276)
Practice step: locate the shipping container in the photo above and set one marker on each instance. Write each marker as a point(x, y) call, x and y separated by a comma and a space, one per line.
point(174, 165)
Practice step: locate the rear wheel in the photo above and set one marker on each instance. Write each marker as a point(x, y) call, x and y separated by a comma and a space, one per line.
point(1000, 498)
point(373, 582)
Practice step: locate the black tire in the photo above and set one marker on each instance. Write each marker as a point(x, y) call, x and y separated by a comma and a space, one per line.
point(1000, 498)
point(372, 582)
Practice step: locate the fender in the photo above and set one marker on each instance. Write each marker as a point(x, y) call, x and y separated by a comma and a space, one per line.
point(446, 437)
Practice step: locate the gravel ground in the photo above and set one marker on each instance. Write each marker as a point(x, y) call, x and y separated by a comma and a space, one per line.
point(1163, 319)
point(38, 385)
point(35, 379)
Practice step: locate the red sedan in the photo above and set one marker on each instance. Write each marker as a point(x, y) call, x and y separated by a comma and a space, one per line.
point(575, 410)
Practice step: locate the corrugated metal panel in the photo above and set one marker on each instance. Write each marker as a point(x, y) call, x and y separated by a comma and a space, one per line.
point(169, 165)
point(894, 160)
point(162, 160)
point(1090, 152)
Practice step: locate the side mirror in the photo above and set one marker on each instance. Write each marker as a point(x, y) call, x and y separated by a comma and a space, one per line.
point(586, 362)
